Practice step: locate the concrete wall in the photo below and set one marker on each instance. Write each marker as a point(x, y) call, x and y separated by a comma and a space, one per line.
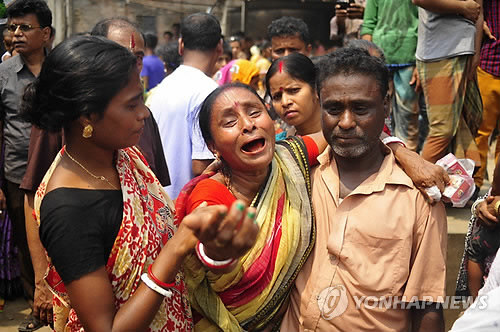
point(79, 16)
point(88, 12)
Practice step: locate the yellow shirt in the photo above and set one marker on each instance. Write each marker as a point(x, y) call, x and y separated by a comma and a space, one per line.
point(381, 240)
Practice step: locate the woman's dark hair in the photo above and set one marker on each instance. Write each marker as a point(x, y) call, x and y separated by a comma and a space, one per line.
point(297, 65)
point(79, 77)
point(206, 108)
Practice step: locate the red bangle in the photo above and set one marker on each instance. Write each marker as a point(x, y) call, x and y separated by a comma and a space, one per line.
point(158, 281)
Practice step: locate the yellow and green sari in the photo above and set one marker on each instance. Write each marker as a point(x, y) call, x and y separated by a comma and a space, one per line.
point(249, 297)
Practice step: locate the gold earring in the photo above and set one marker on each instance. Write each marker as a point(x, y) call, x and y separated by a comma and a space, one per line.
point(87, 131)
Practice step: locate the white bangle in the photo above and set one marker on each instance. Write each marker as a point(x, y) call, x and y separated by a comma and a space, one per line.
point(211, 263)
point(393, 139)
point(152, 285)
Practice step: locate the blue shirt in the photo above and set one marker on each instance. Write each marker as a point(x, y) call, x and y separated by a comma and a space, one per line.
point(154, 69)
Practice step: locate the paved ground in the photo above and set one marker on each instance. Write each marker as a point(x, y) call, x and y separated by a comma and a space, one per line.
point(458, 219)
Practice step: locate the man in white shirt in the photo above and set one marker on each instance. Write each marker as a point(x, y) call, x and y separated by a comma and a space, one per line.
point(175, 105)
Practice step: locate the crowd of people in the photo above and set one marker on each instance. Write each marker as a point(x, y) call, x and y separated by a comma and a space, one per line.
point(221, 184)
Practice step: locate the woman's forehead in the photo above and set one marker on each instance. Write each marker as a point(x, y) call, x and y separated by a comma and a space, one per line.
point(234, 97)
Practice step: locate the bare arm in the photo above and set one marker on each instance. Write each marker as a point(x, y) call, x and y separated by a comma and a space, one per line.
point(93, 300)
point(320, 140)
point(92, 296)
point(42, 306)
point(474, 277)
point(427, 319)
point(495, 186)
point(200, 165)
point(467, 8)
point(477, 43)
point(486, 210)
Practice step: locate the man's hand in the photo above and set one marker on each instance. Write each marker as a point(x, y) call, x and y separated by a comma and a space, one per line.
point(486, 212)
point(472, 73)
point(213, 167)
point(42, 306)
point(415, 79)
point(423, 173)
point(470, 9)
point(199, 165)
point(487, 31)
point(341, 15)
point(355, 11)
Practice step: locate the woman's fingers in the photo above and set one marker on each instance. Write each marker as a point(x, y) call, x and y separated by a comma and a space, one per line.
point(236, 235)
point(231, 223)
point(225, 234)
point(204, 221)
point(246, 235)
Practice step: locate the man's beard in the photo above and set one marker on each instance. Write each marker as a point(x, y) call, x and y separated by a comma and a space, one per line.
point(353, 151)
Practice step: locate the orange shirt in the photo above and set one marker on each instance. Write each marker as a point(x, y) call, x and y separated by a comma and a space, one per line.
point(382, 240)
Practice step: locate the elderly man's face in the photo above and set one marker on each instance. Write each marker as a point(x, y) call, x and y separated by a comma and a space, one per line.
point(353, 113)
point(129, 39)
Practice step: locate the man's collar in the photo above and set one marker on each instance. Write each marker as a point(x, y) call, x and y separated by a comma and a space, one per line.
point(19, 63)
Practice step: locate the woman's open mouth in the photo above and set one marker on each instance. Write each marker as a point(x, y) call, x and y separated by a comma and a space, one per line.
point(254, 146)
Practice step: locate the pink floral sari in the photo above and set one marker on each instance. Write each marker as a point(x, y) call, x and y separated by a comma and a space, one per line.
point(146, 226)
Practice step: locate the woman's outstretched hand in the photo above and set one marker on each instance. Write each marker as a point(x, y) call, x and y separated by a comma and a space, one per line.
point(224, 234)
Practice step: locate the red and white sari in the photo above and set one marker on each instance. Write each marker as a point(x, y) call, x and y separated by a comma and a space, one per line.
point(148, 223)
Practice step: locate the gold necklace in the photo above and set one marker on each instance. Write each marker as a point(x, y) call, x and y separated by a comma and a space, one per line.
point(102, 178)
point(227, 181)
point(228, 184)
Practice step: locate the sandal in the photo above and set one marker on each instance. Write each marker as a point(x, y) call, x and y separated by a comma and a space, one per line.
point(30, 323)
